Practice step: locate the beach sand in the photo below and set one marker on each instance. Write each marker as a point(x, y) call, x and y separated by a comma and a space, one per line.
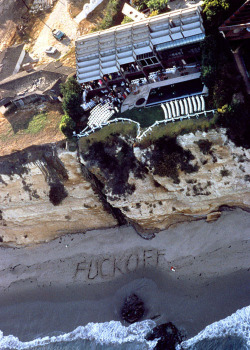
point(83, 278)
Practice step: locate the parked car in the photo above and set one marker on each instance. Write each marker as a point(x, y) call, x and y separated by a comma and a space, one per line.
point(58, 34)
point(51, 50)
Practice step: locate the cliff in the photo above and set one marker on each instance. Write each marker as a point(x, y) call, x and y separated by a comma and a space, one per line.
point(47, 191)
point(44, 194)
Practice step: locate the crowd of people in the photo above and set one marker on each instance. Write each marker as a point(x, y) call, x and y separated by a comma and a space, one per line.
point(114, 95)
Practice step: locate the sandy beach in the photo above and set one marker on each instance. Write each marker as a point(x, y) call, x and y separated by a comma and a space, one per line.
point(83, 278)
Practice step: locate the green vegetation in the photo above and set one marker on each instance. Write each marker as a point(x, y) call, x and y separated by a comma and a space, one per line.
point(107, 132)
point(114, 160)
point(153, 5)
point(220, 75)
point(236, 118)
point(126, 19)
point(72, 98)
point(67, 125)
point(167, 158)
point(111, 14)
point(57, 193)
point(36, 124)
point(157, 5)
point(144, 116)
point(204, 146)
point(174, 129)
point(215, 12)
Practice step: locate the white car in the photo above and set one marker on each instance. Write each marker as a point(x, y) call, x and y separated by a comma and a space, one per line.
point(51, 50)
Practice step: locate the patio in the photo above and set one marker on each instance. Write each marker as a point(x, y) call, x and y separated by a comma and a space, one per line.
point(170, 79)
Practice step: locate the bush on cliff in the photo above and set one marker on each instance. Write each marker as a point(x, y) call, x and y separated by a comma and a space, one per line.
point(67, 125)
point(115, 159)
point(168, 157)
point(57, 193)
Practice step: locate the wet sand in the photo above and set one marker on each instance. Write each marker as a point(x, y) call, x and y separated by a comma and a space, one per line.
point(83, 278)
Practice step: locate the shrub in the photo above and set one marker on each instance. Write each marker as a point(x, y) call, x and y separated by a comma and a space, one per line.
point(72, 98)
point(215, 12)
point(168, 157)
point(126, 19)
point(224, 172)
point(157, 5)
point(139, 4)
point(111, 13)
point(204, 145)
point(67, 125)
point(236, 119)
point(57, 193)
point(115, 159)
point(209, 60)
point(153, 13)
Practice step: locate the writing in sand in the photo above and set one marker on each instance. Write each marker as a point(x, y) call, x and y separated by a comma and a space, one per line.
point(108, 266)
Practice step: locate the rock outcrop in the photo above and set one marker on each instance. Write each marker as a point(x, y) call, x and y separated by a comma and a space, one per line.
point(220, 178)
point(45, 191)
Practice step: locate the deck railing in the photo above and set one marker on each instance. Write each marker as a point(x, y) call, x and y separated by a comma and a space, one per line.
point(140, 135)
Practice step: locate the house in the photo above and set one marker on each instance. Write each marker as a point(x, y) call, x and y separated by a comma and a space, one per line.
point(137, 49)
point(39, 85)
point(11, 60)
point(236, 29)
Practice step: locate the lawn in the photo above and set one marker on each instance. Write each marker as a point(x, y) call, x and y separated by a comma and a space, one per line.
point(37, 123)
point(144, 116)
point(173, 129)
point(104, 134)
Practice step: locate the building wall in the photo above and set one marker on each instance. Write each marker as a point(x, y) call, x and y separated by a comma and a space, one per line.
point(87, 8)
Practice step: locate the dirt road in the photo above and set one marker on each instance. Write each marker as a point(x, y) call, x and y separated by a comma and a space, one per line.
point(58, 19)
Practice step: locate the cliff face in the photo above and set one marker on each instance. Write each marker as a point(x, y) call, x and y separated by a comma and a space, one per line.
point(44, 194)
point(220, 177)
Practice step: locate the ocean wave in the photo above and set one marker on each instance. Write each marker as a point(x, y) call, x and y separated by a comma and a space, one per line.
point(238, 324)
point(106, 333)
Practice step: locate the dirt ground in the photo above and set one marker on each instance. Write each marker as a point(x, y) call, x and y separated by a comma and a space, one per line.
point(16, 131)
point(11, 14)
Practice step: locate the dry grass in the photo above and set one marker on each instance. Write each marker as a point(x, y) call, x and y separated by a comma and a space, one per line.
point(30, 127)
point(76, 6)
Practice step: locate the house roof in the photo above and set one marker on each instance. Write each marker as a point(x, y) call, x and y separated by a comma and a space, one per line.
point(38, 80)
point(8, 60)
point(103, 52)
point(6, 96)
point(45, 80)
point(238, 24)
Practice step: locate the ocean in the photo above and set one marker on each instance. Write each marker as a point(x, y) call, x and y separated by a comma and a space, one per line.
point(231, 333)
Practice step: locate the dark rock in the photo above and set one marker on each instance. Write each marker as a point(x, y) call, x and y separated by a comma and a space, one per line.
point(169, 336)
point(133, 309)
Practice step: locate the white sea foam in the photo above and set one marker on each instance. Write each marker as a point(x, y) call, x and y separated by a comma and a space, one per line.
point(112, 332)
point(238, 324)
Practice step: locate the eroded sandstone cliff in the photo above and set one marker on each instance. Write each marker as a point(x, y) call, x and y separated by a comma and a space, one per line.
point(47, 191)
point(219, 176)
point(44, 194)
